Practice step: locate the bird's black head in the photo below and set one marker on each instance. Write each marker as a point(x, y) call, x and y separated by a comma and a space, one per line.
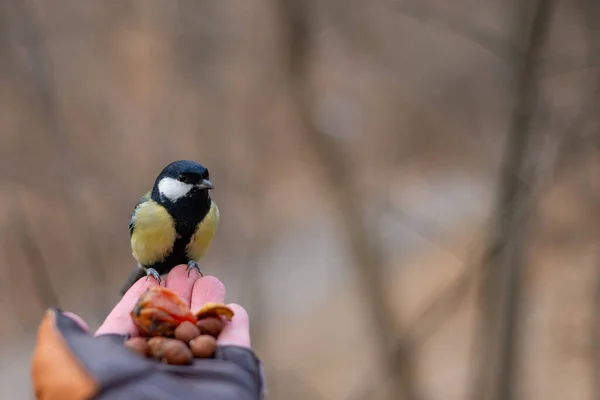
point(181, 180)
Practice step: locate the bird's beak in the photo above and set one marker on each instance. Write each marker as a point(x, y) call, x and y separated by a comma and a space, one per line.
point(206, 184)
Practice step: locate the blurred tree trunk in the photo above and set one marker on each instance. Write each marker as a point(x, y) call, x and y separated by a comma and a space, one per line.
point(39, 67)
point(590, 12)
point(499, 329)
point(368, 257)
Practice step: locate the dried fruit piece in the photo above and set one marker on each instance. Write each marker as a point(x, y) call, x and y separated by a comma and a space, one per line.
point(210, 326)
point(215, 310)
point(186, 331)
point(159, 311)
point(139, 345)
point(203, 346)
point(176, 352)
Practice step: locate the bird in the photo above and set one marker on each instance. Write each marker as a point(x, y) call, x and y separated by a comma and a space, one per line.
point(173, 223)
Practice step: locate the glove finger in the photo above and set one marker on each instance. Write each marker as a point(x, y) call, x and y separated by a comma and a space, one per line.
point(56, 370)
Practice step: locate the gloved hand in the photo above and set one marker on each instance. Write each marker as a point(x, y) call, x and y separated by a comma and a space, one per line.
point(71, 363)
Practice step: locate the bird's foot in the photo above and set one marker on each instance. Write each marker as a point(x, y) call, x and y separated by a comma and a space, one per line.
point(154, 273)
point(193, 265)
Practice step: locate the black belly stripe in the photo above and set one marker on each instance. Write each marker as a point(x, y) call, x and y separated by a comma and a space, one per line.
point(187, 216)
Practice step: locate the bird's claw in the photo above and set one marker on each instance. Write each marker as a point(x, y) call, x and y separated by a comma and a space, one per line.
point(193, 265)
point(154, 273)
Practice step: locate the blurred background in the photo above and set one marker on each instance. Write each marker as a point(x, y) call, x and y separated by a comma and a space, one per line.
point(409, 190)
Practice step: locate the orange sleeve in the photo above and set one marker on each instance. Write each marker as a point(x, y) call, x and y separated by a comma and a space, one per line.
point(56, 373)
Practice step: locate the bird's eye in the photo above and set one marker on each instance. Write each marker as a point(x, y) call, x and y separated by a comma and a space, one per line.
point(182, 178)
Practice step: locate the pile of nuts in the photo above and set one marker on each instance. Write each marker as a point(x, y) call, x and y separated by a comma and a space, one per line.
point(170, 332)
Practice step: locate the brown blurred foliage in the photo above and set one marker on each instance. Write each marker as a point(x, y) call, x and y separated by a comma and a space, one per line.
point(408, 189)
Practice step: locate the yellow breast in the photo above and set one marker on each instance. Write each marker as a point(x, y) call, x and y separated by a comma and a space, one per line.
point(204, 234)
point(154, 233)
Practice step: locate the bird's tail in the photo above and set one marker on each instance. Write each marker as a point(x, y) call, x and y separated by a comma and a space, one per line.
point(136, 274)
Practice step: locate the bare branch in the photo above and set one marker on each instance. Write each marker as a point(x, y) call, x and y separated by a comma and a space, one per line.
point(497, 46)
point(504, 264)
point(44, 291)
point(590, 11)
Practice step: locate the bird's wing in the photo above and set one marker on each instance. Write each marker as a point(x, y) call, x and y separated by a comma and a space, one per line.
point(144, 199)
point(205, 232)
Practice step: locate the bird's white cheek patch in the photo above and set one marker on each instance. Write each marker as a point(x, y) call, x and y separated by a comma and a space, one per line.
point(172, 189)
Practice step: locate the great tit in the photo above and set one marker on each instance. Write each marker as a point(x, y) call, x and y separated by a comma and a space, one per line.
point(174, 223)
